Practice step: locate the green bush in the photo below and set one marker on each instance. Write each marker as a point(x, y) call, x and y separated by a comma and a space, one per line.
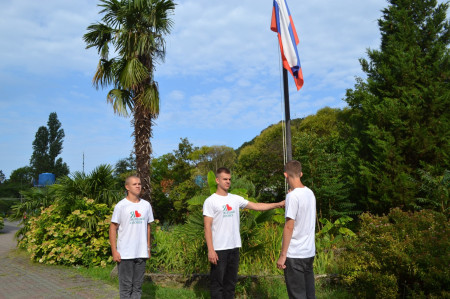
point(174, 251)
point(182, 248)
point(82, 238)
point(6, 204)
point(401, 254)
point(2, 223)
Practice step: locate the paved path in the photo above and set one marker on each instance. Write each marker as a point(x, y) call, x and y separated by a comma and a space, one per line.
point(22, 279)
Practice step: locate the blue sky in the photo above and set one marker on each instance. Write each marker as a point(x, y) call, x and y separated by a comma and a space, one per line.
point(220, 83)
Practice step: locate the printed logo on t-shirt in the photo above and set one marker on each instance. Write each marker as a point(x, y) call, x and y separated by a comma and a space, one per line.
point(227, 211)
point(136, 217)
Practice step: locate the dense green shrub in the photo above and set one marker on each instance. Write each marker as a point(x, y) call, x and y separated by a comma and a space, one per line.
point(178, 249)
point(401, 254)
point(78, 239)
point(2, 223)
point(6, 204)
point(182, 248)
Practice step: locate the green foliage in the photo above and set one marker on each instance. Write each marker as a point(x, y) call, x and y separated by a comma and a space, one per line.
point(210, 158)
point(22, 175)
point(212, 182)
point(33, 200)
point(39, 159)
point(434, 191)
point(179, 196)
point(262, 161)
point(124, 168)
point(336, 228)
point(330, 239)
point(402, 254)
point(47, 145)
point(80, 238)
point(319, 148)
point(399, 120)
point(181, 248)
point(20, 179)
point(61, 226)
point(173, 183)
point(100, 185)
point(6, 205)
point(242, 183)
point(2, 223)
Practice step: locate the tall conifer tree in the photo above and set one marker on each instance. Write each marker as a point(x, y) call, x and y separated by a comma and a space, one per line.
point(47, 145)
point(399, 116)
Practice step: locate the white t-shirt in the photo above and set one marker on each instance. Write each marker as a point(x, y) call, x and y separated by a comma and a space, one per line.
point(132, 219)
point(301, 207)
point(225, 213)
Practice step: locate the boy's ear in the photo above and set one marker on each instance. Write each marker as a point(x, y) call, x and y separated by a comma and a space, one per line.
point(285, 174)
point(301, 174)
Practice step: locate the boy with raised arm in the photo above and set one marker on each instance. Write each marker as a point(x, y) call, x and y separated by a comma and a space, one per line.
point(221, 219)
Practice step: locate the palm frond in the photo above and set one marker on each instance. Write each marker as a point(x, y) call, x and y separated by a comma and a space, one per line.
point(133, 73)
point(150, 98)
point(121, 101)
point(99, 36)
point(104, 75)
point(197, 200)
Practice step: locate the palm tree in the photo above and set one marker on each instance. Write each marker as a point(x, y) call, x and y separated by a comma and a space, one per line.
point(134, 31)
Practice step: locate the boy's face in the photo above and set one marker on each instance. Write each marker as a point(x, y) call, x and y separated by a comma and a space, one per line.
point(223, 181)
point(134, 186)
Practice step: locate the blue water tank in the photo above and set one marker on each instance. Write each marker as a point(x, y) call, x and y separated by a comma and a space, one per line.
point(200, 180)
point(46, 179)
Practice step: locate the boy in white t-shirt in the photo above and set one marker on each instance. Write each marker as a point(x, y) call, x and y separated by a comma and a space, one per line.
point(131, 248)
point(298, 247)
point(221, 219)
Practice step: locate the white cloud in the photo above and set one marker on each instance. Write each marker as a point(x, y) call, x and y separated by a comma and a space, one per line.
point(220, 83)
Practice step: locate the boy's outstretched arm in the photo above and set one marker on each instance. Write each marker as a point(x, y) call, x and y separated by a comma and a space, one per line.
point(259, 206)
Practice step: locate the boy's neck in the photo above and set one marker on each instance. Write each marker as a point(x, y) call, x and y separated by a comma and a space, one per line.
point(296, 183)
point(221, 192)
point(133, 198)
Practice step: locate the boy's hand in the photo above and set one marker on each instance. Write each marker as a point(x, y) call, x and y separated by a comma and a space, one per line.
point(281, 262)
point(213, 257)
point(116, 256)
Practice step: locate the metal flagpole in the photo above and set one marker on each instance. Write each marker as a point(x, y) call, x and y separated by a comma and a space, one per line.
point(287, 113)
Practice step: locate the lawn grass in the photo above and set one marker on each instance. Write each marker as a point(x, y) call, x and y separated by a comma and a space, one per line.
point(266, 289)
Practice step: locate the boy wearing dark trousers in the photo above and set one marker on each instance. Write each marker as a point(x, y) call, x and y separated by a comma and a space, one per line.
point(298, 247)
point(129, 235)
point(221, 219)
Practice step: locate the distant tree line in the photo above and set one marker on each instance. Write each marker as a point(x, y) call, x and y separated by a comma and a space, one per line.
point(47, 146)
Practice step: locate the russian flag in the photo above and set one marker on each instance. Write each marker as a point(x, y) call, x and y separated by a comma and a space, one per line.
point(287, 36)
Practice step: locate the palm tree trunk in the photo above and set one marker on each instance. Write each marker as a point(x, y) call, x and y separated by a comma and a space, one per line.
point(142, 147)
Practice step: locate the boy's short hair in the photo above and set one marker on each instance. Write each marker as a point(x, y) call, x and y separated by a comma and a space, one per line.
point(222, 170)
point(127, 180)
point(293, 168)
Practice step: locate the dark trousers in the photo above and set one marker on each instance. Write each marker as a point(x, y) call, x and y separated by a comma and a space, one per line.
point(131, 277)
point(223, 276)
point(299, 277)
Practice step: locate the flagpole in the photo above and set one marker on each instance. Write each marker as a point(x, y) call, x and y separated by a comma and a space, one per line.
point(287, 116)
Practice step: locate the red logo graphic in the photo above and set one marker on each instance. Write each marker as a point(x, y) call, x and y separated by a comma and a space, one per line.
point(136, 213)
point(229, 208)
